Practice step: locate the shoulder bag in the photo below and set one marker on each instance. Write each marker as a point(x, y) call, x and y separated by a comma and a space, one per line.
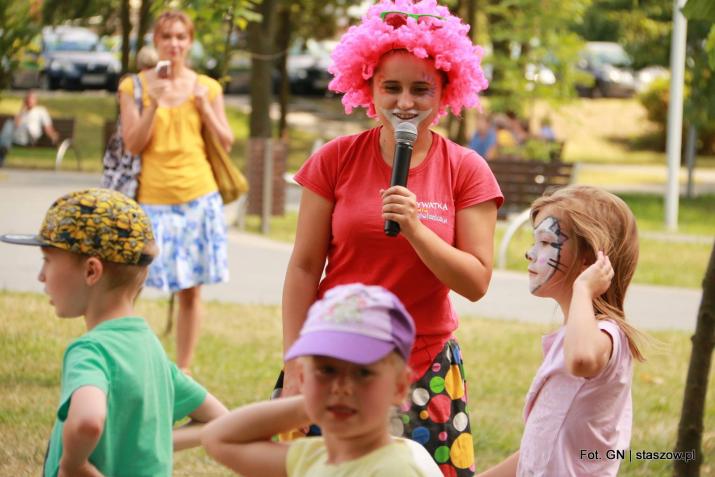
point(120, 169)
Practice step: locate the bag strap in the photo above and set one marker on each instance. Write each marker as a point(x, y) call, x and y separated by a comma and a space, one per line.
point(138, 92)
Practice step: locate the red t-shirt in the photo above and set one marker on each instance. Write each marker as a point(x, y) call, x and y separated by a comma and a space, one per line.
point(349, 171)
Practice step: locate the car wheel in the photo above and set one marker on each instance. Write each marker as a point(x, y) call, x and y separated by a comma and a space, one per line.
point(112, 85)
point(597, 91)
point(48, 83)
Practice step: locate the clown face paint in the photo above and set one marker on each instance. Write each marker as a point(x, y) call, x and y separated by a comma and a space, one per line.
point(407, 89)
point(545, 255)
point(397, 116)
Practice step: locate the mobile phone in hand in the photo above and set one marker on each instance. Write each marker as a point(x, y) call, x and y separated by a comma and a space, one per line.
point(162, 68)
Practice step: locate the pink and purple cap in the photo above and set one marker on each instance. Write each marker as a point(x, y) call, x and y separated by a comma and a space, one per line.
point(357, 323)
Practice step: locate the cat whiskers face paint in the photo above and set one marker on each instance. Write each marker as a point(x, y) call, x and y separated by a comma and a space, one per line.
point(545, 255)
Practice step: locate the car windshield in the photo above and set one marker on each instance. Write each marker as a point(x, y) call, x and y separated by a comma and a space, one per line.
point(610, 56)
point(78, 43)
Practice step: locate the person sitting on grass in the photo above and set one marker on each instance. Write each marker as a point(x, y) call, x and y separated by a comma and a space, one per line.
point(27, 126)
point(353, 349)
point(120, 394)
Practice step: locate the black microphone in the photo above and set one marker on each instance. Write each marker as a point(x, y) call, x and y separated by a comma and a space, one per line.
point(405, 136)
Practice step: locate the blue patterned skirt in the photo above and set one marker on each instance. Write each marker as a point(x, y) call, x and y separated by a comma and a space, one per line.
point(192, 244)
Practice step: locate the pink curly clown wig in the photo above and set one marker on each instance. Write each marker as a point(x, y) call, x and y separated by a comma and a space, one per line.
point(358, 54)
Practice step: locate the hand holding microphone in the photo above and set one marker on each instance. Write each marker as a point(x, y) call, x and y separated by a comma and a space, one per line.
point(405, 137)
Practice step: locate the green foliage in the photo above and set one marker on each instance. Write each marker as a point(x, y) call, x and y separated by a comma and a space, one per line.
point(532, 32)
point(700, 10)
point(17, 29)
point(704, 10)
point(217, 24)
point(698, 108)
point(655, 101)
point(642, 27)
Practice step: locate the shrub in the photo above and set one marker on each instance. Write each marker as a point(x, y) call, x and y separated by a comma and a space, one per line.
point(655, 101)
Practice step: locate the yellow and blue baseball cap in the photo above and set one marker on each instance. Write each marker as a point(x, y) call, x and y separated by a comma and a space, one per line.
point(96, 222)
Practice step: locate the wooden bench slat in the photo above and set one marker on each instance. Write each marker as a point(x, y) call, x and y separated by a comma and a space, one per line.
point(523, 181)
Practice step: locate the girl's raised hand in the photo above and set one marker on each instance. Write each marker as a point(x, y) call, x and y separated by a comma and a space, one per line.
point(156, 88)
point(597, 277)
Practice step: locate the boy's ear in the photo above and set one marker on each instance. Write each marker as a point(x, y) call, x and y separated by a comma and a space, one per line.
point(93, 270)
point(403, 385)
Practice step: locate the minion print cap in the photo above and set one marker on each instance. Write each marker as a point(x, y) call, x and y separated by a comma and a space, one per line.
point(99, 223)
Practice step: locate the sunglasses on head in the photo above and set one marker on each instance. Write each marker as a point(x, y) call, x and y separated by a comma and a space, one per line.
point(397, 18)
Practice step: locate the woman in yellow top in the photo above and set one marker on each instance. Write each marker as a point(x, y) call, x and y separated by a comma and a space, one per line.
point(176, 186)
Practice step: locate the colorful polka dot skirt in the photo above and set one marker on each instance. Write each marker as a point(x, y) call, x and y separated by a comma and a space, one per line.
point(435, 414)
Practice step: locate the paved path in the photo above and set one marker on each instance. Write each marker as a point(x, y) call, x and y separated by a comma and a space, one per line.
point(258, 265)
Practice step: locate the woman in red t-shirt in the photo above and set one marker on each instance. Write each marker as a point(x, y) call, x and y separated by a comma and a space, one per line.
point(405, 62)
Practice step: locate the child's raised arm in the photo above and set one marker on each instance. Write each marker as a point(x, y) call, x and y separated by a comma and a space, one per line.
point(242, 442)
point(81, 432)
point(586, 348)
point(189, 435)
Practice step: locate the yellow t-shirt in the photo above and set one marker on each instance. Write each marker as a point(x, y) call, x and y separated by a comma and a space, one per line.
point(307, 457)
point(174, 165)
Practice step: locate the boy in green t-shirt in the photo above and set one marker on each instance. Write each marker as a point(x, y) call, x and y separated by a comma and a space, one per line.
point(120, 394)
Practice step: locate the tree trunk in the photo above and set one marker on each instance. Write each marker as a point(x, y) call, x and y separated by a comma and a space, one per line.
point(283, 38)
point(690, 429)
point(145, 19)
point(260, 37)
point(467, 10)
point(126, 29)
point(498, 22)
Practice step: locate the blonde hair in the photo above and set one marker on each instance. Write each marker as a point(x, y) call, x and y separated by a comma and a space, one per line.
point(172, 16)
point(599, 220)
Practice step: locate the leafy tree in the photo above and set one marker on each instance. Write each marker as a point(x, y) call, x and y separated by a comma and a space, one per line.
point(55, 12)
point(300, 20)
point(218, 24)
point(18, 25)
point(532, 32)
point(642, 26)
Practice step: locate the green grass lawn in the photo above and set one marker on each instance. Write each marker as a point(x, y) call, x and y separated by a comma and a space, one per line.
point(239, 356)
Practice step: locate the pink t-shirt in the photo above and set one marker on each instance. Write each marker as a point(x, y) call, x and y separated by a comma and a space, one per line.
point(569, 417)
point(349, 171)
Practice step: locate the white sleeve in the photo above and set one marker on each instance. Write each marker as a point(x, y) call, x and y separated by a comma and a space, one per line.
point(423, 460)
point(45, 119)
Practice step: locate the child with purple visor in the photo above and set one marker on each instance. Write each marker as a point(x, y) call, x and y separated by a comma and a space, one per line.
point(353, 350)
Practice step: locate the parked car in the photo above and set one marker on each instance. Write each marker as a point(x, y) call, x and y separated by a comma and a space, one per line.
point(307, 66)
point(67, 58)
point(608, 69)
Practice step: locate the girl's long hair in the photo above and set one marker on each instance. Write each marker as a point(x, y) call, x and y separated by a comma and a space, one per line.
point(599, 220)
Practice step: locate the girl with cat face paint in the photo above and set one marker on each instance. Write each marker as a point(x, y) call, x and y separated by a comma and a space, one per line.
point(583, 257)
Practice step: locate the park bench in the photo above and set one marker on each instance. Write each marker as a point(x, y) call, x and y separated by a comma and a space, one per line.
point(522, 181)
point(65, 129)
